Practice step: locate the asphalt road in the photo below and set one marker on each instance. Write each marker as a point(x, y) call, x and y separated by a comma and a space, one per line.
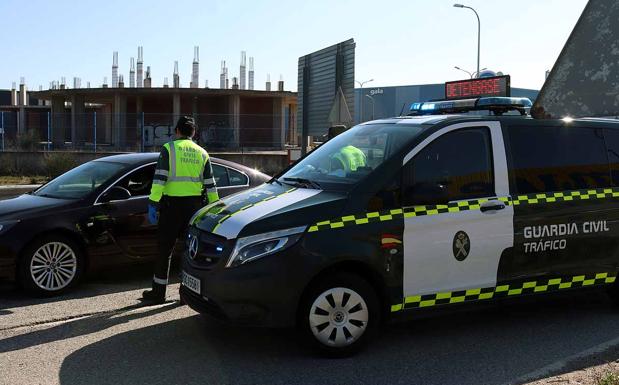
point(99, 334)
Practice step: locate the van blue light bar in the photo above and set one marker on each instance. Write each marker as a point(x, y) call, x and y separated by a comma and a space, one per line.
point(498, 105)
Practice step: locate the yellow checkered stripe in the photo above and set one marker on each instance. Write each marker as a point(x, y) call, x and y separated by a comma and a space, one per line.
point(565, 196)
point(501, 291)
point(455, 207)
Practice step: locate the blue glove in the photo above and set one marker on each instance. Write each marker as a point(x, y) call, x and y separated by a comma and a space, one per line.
point(153, 214)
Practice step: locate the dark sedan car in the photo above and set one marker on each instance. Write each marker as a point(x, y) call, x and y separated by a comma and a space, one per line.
point(92, 217)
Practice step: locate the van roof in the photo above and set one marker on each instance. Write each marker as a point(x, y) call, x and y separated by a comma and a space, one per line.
point(435, 119)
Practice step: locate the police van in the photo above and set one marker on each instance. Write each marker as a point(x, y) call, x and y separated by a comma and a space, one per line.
point(459, 203)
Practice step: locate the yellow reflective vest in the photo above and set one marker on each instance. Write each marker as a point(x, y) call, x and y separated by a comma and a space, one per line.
point(351, 158)
point(183, 169)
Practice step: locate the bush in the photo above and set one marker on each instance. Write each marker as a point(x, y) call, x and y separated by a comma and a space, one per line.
point(56, 163)
point(608, 378)
point(29, 141)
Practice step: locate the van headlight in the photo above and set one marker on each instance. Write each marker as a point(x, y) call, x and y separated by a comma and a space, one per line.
point(250, 248)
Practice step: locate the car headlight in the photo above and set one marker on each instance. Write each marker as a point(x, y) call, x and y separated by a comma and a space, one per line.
point(257, 246)
point(5, 225)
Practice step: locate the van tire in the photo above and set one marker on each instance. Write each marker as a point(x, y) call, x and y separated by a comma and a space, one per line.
point(613, 293)
point(326, 321)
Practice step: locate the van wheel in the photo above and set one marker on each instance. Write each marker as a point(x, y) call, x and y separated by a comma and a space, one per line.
point(339, 314)
point(613, 293)
point(51, 265)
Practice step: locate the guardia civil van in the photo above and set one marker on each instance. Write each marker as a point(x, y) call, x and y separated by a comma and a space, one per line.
point(448, 207)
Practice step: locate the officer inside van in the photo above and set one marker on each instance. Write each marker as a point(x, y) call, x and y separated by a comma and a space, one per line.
point(348, 158)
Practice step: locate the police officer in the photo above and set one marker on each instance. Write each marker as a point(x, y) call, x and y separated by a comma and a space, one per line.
point(347, 158)
point(183, 181)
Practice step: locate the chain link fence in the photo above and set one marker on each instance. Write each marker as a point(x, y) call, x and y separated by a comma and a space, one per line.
point(96, 131)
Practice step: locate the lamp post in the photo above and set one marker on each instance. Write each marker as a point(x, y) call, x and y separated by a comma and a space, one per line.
point(471, 74)
point(361, 101)
point(478, 32)
point(372, 99)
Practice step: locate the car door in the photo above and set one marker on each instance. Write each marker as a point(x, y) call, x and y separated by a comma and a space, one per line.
point(229, 180)
point(566, 222)
point(126, 220)
point(455, 226)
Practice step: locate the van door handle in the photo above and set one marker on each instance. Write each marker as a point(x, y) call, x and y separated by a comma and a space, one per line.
point(492, 206)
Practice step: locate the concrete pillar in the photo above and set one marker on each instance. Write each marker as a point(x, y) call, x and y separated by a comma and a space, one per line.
point(139, 108)
point(58, 122)
point(78, 120)
point(176, 108)
point(279, 133)
point(120, 118)
point(21, 119)
point(234, 109)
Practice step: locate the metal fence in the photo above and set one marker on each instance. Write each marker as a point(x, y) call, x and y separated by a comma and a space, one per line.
point(103, 131)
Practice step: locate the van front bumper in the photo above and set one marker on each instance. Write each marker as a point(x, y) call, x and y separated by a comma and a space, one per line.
point(264, 293)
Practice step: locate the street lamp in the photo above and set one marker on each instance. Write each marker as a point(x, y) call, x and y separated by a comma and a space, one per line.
point(361, 102)
point(478, 31)
point(372, 99)
point(471, 74)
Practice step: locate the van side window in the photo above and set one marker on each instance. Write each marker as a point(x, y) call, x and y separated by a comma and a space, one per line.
point(546, 159)
point(456, 166)
point(612, 143)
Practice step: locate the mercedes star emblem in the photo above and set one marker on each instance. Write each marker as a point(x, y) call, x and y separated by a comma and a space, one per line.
point(193, 246)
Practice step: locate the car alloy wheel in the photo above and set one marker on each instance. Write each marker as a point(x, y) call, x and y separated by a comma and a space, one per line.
point(53, 266)
point(338, 317)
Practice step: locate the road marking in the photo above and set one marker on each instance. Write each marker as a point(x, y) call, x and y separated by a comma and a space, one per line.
point(555, 367)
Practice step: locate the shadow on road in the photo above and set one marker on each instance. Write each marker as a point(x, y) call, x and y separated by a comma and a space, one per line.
point(492, 346)
point(80, 327)
point(110, 281)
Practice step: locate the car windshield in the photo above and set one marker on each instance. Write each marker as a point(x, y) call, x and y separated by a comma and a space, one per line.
point(346, 159)
point(80, 181)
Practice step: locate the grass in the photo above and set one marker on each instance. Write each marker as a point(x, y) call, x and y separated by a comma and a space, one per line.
point(34, 179)
point(608, 378)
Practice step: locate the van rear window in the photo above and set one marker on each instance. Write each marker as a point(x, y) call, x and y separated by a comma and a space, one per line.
point(545, 159)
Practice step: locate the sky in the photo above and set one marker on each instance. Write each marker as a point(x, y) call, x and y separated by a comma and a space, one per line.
point(397, 42)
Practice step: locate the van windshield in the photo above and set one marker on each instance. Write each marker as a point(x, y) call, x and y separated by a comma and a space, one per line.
point(351, 156)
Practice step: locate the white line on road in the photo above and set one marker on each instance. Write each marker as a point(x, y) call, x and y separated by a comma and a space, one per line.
point(555, 367)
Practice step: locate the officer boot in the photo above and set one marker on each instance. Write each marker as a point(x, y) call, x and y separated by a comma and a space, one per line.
point(156, 295)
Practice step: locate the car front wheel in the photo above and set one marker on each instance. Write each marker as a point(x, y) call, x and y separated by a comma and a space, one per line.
point(340, 313)
point(51, 265)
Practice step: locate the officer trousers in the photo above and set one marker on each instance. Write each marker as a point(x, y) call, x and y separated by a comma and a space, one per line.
point(174, 216)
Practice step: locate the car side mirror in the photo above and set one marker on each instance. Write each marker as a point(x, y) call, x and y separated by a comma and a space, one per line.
point(428, 194)
point(116, 193)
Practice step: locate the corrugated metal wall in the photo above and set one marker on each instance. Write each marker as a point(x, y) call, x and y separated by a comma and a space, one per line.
point(320, 74)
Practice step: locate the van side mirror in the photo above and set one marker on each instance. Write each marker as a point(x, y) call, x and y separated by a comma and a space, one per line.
point(116, 193)
point(427, 194)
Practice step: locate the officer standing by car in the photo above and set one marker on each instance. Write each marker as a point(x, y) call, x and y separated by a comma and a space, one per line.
point(183, 181)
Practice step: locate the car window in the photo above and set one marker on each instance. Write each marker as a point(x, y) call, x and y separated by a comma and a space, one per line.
point(221, 175)
point(139, 182)
point(237, 178)
point(80, 181)
point(557, 159)
point(612, 144)
point(456, 166)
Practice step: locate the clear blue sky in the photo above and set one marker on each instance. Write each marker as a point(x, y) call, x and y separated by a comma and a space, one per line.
point(398, 42)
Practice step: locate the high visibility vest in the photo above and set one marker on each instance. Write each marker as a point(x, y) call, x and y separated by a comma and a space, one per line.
point(185, 177)
point(351, 158)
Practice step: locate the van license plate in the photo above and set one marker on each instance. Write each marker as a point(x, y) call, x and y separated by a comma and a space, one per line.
point(190, 282)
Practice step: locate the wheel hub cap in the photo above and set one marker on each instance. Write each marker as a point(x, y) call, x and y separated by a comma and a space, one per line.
point(53, 266)
point(338, 317)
